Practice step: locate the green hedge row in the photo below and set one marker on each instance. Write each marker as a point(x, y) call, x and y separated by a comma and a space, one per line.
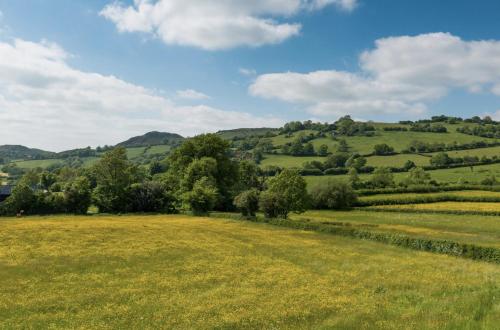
point(424, 189)
point(399, 210)
point(470, 251)
point(428, 199)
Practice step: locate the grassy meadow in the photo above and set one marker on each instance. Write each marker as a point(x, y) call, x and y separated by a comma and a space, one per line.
point(153, 272)
point(493, 208)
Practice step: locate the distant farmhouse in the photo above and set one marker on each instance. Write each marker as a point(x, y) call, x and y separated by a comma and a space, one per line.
point(5, 191)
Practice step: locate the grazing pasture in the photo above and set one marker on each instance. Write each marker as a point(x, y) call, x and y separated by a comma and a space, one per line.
point(184, 272)
point(493, 208)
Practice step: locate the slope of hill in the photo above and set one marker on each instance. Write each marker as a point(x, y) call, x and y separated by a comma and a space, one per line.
point(10, 152)
point(152, 139)
point(241, 133)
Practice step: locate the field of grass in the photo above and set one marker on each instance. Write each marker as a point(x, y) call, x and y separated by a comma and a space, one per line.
point(182, 272)
point(397, 160)
point(286, 161)
point(160, 149)
point(452, 175)
point(135, 152)
point(415, 197)
point(44, 163)
point(488, 152)
point(471, 229)
point(493, 208)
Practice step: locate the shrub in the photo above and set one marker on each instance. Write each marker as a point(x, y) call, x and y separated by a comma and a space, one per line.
point(383, 149)
point(78, 196)
point(286, 193)
point(247, 202)
point(382, 177)
point(202, 198)
point(151, 196)
point(333, 195)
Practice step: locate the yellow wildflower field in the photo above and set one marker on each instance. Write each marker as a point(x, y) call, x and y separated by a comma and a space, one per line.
point(165, 272)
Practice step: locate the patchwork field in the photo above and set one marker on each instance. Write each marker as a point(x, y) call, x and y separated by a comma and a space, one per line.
point(44, 163)
point(182, 272)
point(410, 198)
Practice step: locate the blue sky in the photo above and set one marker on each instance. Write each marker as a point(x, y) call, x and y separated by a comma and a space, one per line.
point(203, 65)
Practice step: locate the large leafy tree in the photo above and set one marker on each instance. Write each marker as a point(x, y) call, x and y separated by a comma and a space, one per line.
point(286, 193)
point(114, 174)
point(198, 150)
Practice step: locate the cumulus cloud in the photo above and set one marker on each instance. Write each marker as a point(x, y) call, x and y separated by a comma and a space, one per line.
point(400, 75)
point(191, 94)
point(215, 24)
point(46, 103)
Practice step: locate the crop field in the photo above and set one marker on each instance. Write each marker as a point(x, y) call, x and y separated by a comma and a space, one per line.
point(472, 195)
point(493, 208)
point(470, 229)
point(184, 272)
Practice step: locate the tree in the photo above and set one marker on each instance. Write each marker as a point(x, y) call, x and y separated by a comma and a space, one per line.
point(78, 196)
point(383, 149)
point(114, 174)
point(205, 167)
point(151, 196)
point(356, 161)
point(342, 146)
point(308, 149)
point(382, 177)
point(337, 159)
point(211, 146)
point(286, 193)
point(202, 198)
point(408, 165)
point(323, 150)
point(247, 202)
point(249, 176)
point(47, 180)
point(22, 199)
point(334, 195)
point(354, 179)
point(418, 175)
point(441, 159)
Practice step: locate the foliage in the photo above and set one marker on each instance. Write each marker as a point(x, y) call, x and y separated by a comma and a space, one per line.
point(78, 196)
point(247, 202)
point(382, 177)
point(203, 196)
point(383, 149)
point(151, 196)
point(334, 195)
point(286, 193)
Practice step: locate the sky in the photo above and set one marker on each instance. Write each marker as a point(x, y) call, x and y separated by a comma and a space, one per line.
point(94, 72)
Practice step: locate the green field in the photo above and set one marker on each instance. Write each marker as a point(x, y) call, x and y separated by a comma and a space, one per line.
point(488, 152)
point(44, 163)
point(150, 272)
point(397, 160)
point(470, 229)
point(414, 198)
point(452, 175)
point(286, 161)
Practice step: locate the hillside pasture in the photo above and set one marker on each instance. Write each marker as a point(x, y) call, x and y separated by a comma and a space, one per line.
point(417, 198)
point(184, 272)
point(44, 163)
point(286, 161)
point(443, 207)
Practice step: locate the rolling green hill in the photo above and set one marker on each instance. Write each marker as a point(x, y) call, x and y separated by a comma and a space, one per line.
point(152, 139)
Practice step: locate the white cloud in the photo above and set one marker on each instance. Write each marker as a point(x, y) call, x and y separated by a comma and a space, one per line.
point(496, 115)
point(46, 103)
point(215, 24)
point(400, 75)
point(191, 94)
point(247, 72)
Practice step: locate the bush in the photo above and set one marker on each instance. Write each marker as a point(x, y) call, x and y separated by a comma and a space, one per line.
point(78, 196)
point(151, 196)
point(333, 195)
point(383, 149)
point(286, 193)
point(247, 202)
point(202, 198)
